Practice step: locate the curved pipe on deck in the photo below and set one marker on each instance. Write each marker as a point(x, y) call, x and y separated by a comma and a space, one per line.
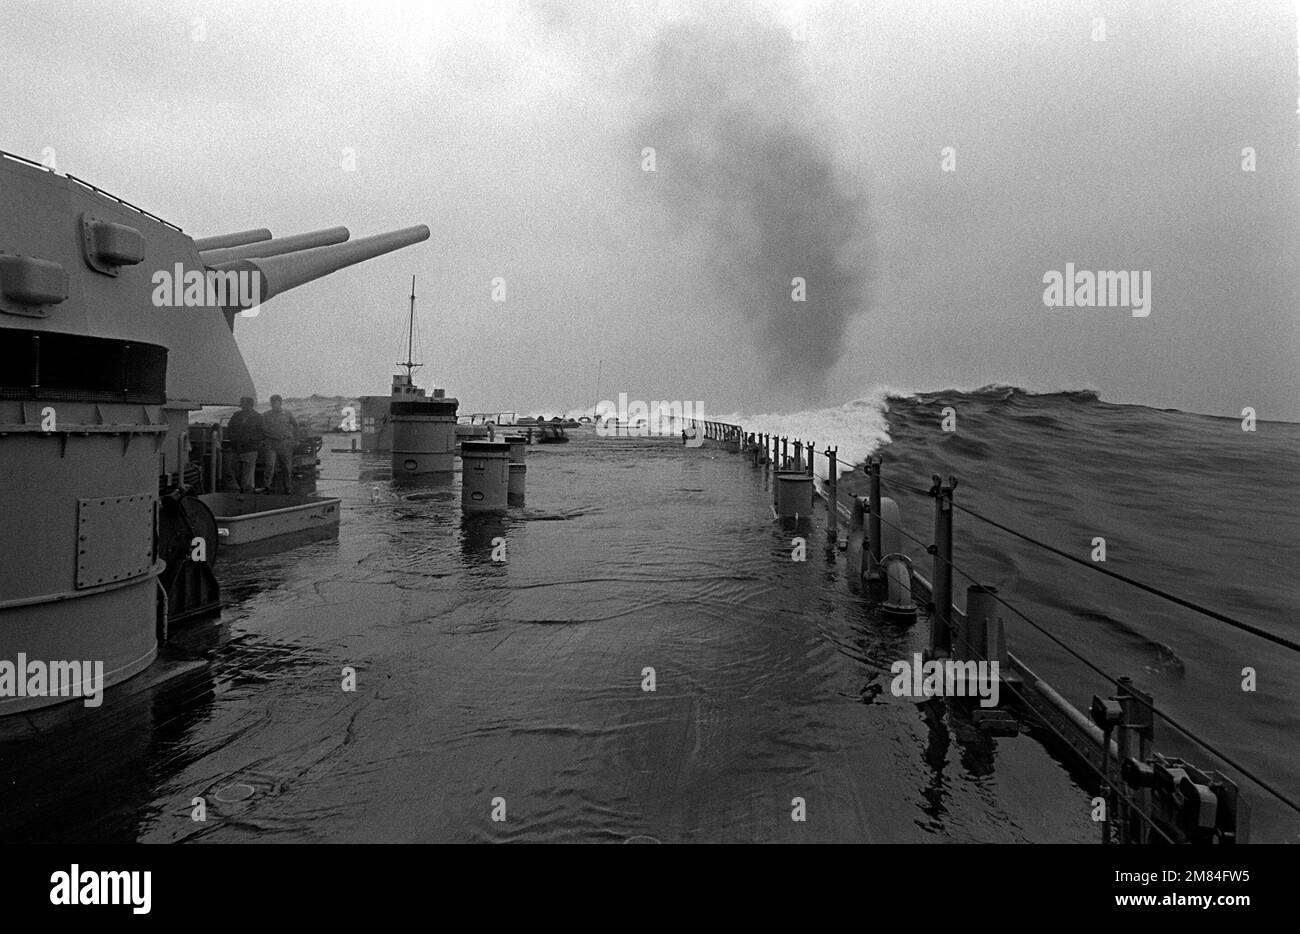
point(862, 567)
point(897, 572)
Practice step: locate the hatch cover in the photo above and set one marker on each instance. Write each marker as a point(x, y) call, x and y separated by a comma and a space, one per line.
point(114, 538)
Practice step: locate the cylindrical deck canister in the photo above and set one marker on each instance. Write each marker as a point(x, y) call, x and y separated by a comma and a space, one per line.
point(518, 469)
point(515, 489)
point(794, 495)
point(424, 439)
point(79, 576)
point(485, 480)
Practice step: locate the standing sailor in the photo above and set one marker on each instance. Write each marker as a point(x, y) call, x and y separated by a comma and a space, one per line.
point(246, 435)
point(281, 430)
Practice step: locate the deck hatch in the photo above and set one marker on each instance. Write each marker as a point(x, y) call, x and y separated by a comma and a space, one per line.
point(114, 538)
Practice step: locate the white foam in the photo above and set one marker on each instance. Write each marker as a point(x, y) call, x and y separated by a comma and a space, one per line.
point(854, 429)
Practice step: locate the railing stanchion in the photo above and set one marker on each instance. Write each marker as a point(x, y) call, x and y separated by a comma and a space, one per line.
point(941, 622)
point(832, 495)
point(1139, 724)
point(873, 517)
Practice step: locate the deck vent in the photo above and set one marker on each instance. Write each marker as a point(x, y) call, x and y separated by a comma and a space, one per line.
point(29, 285)
point(109, 246)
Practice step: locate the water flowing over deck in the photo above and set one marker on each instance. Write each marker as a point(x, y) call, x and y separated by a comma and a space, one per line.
point(636, 564)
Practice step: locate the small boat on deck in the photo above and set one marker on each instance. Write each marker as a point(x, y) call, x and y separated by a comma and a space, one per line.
point(250, 518)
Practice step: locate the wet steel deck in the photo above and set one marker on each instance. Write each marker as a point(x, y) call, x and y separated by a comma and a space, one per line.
point(522, 680)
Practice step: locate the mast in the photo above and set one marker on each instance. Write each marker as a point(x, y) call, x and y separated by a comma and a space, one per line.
point(410, 364)
point(595, 405)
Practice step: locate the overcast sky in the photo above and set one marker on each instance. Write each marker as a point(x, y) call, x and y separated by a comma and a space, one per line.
point(789, 140)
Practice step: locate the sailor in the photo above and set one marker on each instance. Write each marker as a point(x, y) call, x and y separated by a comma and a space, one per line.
point(246, 435)
point(281, 431)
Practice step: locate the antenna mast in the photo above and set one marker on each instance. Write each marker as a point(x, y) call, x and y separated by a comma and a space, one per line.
point(410, 364)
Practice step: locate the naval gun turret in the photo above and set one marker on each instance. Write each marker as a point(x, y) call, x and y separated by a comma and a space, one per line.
point(114, 326)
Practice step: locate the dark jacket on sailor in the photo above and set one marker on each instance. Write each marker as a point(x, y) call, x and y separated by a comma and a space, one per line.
point(279, 426)
point(245, 431)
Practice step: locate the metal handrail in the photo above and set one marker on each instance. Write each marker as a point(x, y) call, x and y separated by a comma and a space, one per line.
point(95, 188)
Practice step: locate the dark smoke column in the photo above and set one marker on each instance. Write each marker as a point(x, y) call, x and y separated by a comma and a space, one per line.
point(744, 162)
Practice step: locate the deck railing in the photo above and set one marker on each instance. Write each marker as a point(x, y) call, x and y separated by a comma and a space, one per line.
point(1143, 796)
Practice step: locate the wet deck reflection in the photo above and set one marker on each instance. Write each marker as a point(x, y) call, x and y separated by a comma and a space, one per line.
point(523, 680)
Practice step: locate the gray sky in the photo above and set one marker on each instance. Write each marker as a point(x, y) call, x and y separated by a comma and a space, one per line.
point(790, 140)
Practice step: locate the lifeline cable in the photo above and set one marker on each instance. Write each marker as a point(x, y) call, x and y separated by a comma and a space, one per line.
point(1224, 757)
point(1164, 716)
point(1106, 780)
point(1213, 614)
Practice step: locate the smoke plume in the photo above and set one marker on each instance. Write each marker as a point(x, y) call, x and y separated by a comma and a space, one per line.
point(745, 165)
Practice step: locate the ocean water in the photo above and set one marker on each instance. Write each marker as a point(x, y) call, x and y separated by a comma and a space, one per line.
point(1191, 504)
point(521, 685)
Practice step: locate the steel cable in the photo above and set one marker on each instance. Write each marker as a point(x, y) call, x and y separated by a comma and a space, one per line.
point(1204, 744)
point(1205, 611)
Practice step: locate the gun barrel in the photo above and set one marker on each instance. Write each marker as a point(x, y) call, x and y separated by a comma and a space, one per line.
point(221, 241)
point(277, 247)
point(278, 274)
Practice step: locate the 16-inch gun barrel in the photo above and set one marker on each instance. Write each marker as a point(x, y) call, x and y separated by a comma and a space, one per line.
point(276, 247)
point(239, 238)
point(278, 274)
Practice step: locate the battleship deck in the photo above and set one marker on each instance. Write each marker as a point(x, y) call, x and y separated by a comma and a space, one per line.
point(522, 680)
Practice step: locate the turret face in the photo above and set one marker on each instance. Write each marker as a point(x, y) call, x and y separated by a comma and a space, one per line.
point(107, 259)
point(113, 325)
point(75, 260)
